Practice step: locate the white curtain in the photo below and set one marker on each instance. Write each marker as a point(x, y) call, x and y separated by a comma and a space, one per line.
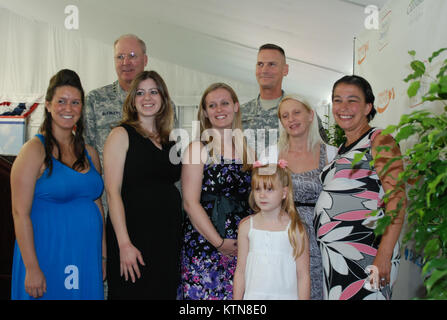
point(32, 51)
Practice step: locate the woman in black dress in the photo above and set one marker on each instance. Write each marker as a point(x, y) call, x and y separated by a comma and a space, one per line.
point(144, 204)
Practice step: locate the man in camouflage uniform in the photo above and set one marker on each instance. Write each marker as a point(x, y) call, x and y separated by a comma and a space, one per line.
point(260, 114)
point(103, 106)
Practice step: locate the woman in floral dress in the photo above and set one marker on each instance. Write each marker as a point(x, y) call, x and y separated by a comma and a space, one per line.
point(216, 186)
point(344, 225)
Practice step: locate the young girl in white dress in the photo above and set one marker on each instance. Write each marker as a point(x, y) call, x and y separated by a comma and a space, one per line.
point(273, 250)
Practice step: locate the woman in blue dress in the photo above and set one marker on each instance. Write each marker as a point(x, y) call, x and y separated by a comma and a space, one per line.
point(58, 217)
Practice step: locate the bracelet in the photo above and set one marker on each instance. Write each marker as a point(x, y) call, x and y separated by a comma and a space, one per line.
point(221, 244)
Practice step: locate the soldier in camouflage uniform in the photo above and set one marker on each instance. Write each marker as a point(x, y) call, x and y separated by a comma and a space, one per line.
point(103, 107)
point(260, 114)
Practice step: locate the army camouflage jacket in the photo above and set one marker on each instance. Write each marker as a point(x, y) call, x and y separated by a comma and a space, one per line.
point(264, 123)
point(103, 110)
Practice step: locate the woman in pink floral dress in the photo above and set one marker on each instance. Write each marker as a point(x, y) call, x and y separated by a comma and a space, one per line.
point(343, 223)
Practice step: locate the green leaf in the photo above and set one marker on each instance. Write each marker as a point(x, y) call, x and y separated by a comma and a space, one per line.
point(390, 129)
point(388, 164)
point(432, 186)
point(431, 98)
point(434, 278)
point(432, 248)
point(442, 70)
point(413, 89)
point(412, 53)
point(382, 224)
point(434, 88)
point(434, 264)
point(357, 158)
point(443, 83)
point(381, 148)
point(411, 77)
point(429, 123)
point(433, 134)
point(435, 54)
point(374, 213)
point(405, 132)
point(438, 291)
point(418, 67)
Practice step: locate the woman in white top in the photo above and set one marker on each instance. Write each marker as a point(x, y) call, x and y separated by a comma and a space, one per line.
point(273, 251)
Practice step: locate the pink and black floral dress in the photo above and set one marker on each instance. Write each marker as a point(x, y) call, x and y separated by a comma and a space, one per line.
point(344, 226)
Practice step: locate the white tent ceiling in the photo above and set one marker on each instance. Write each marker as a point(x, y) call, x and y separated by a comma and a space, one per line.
point(222, 37)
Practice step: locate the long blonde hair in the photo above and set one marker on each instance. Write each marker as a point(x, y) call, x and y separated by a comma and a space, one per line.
point(239, 141)
point(288, 204)
point(313, 138)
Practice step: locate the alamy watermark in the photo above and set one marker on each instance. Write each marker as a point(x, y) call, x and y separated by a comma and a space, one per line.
point(72, 280)
point(372, 20)
point(255, 142)
point(372, 282)
point(72, 19)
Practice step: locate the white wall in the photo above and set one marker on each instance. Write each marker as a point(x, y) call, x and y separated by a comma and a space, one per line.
point(381, 56)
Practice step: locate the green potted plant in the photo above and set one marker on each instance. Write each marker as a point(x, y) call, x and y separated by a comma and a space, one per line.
point(335, 134)
point(425, 176)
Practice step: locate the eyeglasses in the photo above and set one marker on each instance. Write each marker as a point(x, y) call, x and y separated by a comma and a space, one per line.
point(131, 56)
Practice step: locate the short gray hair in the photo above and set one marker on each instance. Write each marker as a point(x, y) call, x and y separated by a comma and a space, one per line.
point(130, 35)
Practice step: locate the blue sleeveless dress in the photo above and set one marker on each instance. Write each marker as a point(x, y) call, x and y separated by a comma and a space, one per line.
point(67, 227)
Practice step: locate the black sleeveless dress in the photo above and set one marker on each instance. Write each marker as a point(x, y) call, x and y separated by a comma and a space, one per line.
point(152, 205)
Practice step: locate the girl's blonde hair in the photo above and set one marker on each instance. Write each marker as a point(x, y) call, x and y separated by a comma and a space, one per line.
point(239, 140)
point(288, 204)
point(313, 138)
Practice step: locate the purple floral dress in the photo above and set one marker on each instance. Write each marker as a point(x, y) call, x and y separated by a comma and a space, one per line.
point(206, 274)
